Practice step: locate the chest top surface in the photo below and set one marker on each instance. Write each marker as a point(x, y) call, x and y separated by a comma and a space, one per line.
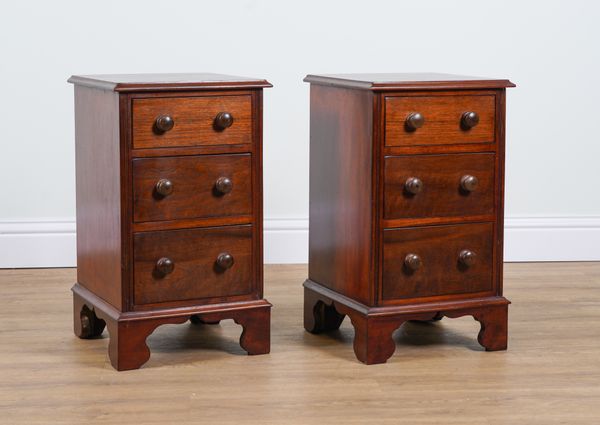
point(181, 81)
point(407, 81)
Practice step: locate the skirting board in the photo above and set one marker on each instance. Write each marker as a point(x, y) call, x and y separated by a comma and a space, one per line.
point(51, 242)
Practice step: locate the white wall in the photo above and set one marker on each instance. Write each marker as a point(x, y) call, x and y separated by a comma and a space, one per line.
point(549, 48)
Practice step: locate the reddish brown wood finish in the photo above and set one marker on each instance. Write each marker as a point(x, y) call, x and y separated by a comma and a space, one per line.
point(196, 274)
point(373, 326)
point(340, 205)
point(441, 272)
point(441, 194)
point(194, 121)
point(85, 322)
point(98, 199)
point(149, 226)
point(319, 313)
point(128, 332)
point(166, 83)
point(363, 223)
point(442, 119)
point(194, 193)
point(123, 229)
point(382, 82)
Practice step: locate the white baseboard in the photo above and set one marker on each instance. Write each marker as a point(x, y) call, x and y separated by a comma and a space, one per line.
point(51, 242)
point(286, 240)
point(552, 239)
point(44, 242)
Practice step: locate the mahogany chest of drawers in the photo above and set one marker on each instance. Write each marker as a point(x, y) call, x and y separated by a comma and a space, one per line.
point(406, 205)
point(169, 208)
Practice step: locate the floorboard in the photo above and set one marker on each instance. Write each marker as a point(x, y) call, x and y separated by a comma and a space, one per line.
point(199, 374)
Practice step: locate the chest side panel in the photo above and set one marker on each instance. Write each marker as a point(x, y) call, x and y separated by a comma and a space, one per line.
point(341, 194)
point(98, 202)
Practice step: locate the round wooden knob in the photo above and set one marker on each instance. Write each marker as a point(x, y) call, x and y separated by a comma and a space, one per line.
point(412, 262)
point(165, 266)
point(469, 120)
point(224, 185)
point(164, 187)
point(223, 120)
point(414, 120)
point(469, 183)
point(225, 260)
point(467, 257)
point(164, 123)
point(413, 185)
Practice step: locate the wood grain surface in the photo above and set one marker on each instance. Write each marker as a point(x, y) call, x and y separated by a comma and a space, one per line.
point(159, 170)
point(440, 272)
point(442, 119)
point(199, 374)
point(341, 192)
point(194, 121)
point(406, 81)
point(194, 193)
point(171, 82)
point(441, 194)
point(194, 253)
point(98, 200)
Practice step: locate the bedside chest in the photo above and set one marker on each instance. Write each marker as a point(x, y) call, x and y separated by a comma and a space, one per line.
point(169, 208)
point(406, 205)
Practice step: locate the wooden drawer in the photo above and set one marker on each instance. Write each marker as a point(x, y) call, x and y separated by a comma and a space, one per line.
point(441, 271)
point(194, 120)
point(194, 254)
point(443, 192)
point(442, 120)
point(194, 183)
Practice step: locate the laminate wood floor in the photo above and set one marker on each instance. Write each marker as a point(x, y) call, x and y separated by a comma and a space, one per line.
point(199, 374)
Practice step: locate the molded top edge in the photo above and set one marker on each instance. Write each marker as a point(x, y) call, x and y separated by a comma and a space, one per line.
point(184, 81)
point(406, 81)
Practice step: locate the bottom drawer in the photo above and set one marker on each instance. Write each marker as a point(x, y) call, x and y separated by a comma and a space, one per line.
point(437, 260)
point(189, 264)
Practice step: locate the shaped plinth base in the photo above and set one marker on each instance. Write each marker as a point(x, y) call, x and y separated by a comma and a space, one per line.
point(127, 347)
point(324, 310)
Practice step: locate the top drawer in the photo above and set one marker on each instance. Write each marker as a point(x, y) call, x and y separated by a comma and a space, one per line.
point(439, 120)
point(192, 121)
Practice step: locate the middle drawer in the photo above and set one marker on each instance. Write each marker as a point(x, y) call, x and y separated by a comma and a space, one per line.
point(438, 185)
point(187, 187)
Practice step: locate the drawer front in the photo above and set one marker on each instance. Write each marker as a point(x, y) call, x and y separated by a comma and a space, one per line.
point(445, 265)
point(438, 185)
point(441, 120)
point(187, 187)
point(195, 256)
point(192, 121)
